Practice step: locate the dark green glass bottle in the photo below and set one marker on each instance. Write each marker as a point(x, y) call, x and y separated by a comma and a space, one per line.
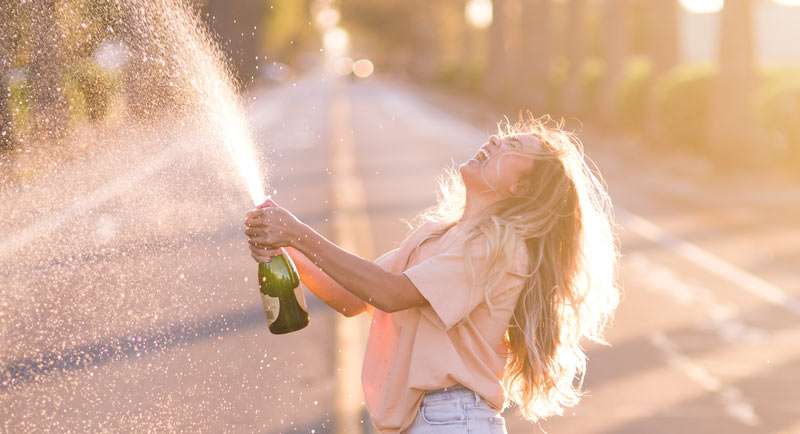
point(278, 278)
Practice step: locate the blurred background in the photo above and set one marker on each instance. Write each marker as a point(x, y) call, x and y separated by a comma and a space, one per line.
point(127, 132)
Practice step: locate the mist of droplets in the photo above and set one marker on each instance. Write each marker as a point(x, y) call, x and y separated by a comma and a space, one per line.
point(122, 240)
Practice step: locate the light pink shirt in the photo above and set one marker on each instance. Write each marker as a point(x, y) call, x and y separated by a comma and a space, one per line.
point(453, 340)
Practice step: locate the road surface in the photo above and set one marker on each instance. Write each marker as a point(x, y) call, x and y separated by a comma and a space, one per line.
point(129, 302)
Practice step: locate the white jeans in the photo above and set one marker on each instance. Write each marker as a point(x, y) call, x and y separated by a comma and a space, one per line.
point(456, 410)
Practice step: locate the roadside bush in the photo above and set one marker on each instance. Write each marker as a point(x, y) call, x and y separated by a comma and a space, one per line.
point(632, 93)
point(464, 76)
point(19, 106)
point(90, 90)
point(778, 108)
point(556, 81)
point(681, 106)
point(591, 76)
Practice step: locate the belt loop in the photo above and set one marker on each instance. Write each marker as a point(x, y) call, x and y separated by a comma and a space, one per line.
point(477, 397)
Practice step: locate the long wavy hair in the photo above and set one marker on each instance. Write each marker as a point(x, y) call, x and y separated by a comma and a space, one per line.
point(565, 220)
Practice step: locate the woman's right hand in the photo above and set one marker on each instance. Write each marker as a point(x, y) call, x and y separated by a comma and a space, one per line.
point(264, 254)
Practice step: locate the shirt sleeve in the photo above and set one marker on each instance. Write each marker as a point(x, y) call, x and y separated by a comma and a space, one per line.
point(445, 282)
point(386, 256)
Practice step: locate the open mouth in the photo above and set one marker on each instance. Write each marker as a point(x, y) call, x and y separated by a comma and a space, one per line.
point(482, 155)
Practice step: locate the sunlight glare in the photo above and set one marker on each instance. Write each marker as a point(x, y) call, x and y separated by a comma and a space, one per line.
point(336, 41)
point(702, 6)
point(363, 68)
point(479, 13)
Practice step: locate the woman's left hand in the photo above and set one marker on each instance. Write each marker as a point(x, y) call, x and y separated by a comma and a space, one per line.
point(270, 227)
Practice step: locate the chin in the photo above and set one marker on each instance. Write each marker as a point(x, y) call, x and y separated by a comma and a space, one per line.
point(469, 173)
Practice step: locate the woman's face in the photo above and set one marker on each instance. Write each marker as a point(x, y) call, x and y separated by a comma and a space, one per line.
point(500, 163)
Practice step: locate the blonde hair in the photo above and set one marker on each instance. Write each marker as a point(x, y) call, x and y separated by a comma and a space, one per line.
point(565, 220)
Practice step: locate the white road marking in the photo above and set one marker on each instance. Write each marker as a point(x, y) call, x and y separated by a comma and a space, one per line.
point(732, 399)
point(724, 317)
point(702, 258)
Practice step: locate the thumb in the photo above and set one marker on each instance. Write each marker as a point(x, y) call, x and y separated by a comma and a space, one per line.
point(267, 203)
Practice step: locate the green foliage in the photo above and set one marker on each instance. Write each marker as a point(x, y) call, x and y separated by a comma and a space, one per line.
point(287, 28)
point(632, 93)
point(681, 106)
point(90, 90)
point(591, 76)
point(778, 104)
point(556, 81)
point(404, 28)
point(19, 106)
point(463, 76)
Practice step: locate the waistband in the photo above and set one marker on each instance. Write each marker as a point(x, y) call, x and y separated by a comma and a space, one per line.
point(454, 392)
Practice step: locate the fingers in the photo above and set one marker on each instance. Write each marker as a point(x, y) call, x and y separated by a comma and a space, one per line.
point(253, 232)
point(264, 242)
point(264, 254)
point(267, 203)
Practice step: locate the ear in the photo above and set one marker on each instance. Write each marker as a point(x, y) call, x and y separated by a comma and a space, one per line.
point(520, 188)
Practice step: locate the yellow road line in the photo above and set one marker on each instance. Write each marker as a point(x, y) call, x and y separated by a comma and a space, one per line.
point(352, 231)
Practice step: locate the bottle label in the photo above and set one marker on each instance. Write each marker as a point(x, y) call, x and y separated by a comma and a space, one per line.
point(271, 307)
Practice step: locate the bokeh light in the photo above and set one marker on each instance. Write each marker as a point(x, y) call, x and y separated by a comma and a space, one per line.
point(479, 13)
point(363, 68)
point(343, 65)
point(336, 41)
point(703, 6)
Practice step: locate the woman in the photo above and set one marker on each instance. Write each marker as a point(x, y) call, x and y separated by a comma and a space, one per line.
point(485, 302)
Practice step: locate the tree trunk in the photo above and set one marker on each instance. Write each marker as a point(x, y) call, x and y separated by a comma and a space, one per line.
point(665, 35)
point(732, 126)
point(497, 56)
point(8, 15)
point(615, 34)
point(535, 50)
point(46, 73)
point(576, 31)
point(234, 22)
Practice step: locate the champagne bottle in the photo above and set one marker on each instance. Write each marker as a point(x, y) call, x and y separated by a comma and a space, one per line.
point(278, 278)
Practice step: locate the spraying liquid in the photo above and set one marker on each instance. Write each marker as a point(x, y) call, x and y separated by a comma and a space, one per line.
point(218, 101)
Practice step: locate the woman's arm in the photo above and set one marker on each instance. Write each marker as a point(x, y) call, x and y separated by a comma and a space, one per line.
point(366, 280)
point(270, 227)
point(324, 287)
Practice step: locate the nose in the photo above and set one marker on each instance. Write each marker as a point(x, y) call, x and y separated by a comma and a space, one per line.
point(493, 142)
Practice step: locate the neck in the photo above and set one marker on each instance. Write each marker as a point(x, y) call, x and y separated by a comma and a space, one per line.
point(475, 204)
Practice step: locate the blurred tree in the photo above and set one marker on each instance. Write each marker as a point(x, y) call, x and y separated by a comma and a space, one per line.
point(733, 94)
point(497, 77)
point(662, 42)
point(46, 69)
point(286, 26)
point(236, 23)
point(398, 33)
point(466, 37)
point(455, 42)
point(148, 75)
point(9, 40)
point(615, 32)
point(535, 50)
point(576, 46)
point(664, 38)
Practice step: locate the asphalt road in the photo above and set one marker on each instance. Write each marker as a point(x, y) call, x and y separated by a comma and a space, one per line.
point(128, 300)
